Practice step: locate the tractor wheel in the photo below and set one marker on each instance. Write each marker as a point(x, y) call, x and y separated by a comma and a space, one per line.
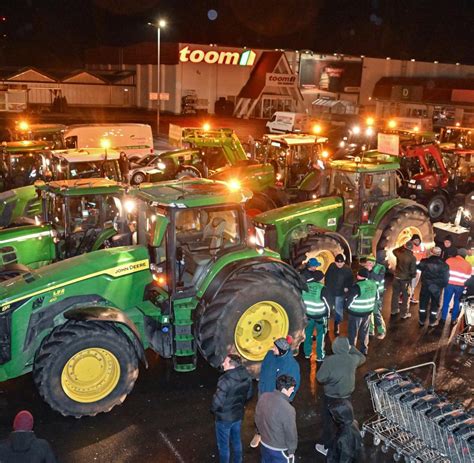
point(324, 248)
point(437, 207)
point(85, 367)
point(187, 173)
point(12, 270)
point(402, 227)
point(138, 178)
point(258, 204)
point(251, 311)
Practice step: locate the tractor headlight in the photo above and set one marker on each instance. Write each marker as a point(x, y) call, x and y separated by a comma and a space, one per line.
point(418, 187)
point(161, 166)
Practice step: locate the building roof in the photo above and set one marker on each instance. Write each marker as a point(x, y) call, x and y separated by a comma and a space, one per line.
point(433, 89)
point(256, 83)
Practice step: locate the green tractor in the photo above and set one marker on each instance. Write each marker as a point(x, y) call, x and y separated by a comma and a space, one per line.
point(23, 202)
point(364, 215)
point(77, 216)
point(192, 281)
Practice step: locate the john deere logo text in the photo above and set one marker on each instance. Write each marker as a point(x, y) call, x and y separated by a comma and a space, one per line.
point(246, 58)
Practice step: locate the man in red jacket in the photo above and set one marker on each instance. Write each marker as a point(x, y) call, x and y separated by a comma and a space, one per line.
point(459, 272)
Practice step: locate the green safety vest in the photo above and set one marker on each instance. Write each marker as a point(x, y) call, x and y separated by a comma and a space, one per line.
point(315, 306)
point(365, 302)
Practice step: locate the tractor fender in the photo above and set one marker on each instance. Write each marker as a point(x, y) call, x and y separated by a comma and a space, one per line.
point(104, 235)
point(109, 315)
point(389, 214)
point(269, 264)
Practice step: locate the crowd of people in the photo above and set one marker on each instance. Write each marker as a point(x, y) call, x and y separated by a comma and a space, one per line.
point(444, 272)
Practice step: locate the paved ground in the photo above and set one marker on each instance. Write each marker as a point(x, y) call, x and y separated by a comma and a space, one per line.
point(166, 419)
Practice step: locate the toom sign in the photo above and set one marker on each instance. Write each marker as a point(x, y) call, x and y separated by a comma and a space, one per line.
point(246, 58)
point(280, 80)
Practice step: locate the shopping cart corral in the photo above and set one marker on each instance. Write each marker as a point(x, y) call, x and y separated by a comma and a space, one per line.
point(465, 338)
point(416, 422)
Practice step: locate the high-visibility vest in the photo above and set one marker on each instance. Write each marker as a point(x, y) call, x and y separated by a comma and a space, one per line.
point(365, 302)
point(470, 259)
point(459, 270)
point(378, 275)
point(419, 251)
point(315, 304)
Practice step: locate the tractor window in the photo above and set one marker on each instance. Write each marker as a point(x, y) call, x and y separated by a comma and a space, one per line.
point(106, 169)
point(214, 157)
point(71, 143)
point(24, 168)
point(431, 162)
point(376, 185)
point(201, 234)
point(411, 166)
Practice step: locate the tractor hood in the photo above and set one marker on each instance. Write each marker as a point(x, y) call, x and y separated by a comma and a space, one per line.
point(255, 177)
point(19, 202)
point(322, 212)
point(112, 263)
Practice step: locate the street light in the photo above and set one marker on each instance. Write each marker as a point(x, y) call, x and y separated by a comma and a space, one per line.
point(161, 23)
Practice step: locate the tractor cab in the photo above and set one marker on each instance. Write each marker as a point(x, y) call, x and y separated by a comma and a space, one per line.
point(51, 134)
point(187, 226)
point(364, 183)
point(298, 162)
point(86, 215)
point(455, 137)
point(22, 163)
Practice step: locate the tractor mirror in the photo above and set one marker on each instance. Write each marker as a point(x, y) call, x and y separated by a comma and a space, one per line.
point(158, 230)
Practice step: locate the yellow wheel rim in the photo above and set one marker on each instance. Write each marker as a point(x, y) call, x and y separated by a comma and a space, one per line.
point(90, 375)
point(325, 257)
point(405, 235)
point(258, 327)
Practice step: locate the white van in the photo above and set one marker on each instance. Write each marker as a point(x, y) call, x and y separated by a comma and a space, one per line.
point(283, 122)
point(135, 140)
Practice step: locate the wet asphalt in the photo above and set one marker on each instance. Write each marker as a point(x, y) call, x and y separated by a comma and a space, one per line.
point(166, 418)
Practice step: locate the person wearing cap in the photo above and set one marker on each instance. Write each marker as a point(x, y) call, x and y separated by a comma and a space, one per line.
point(317, 304)
point(360, 304)
point(434, 277)
point(459, 272)
point(377, 274)
point(419, 251)
point(405, 271)
point(22, 446)
point(447, 248)
point(338, 280)
point(278, 361)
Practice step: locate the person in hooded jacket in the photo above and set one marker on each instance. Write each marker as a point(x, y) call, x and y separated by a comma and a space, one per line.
point(347, 441)
point(22, 446)
point(447, 248)
point(278, 361)
point(434, 277)
point(234, 390)
point(337, 375)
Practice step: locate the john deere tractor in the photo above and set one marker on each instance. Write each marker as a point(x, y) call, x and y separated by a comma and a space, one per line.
point(77, 216)
point(22, 201)
point(191, 281)
point(363, 215)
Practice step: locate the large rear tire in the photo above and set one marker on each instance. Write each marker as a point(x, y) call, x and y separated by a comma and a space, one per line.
point(251, 311)
point(324, 248)
point(403, 225)
point(85, 367)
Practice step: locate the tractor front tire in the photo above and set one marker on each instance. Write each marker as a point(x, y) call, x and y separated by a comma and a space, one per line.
point(437, 206)
point(251, 310)
point(258, 204)
point(324, 248)
point(403, 225)
point(85, 367)
point(187, 172)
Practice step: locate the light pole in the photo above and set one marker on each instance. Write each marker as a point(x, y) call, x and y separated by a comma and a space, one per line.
point(161, 23)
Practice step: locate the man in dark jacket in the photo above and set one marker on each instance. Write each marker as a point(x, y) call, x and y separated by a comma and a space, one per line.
point(405, 271)
point(434, 277)
point(22, 446)
point(337, 375)
point(278, 361)
point(347, 441)
point(234, 389)
point(276, 420)
point(447, 248)
point(338, 280)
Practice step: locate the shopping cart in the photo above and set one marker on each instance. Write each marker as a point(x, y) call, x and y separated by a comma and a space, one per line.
point(465, 338)
point(416, 422)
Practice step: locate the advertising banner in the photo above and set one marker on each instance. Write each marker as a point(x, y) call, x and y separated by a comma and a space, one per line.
point(388, 144)
point(280, 80)
point(330, 75)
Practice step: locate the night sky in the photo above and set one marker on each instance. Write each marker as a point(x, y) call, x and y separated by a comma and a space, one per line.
point(55, 33)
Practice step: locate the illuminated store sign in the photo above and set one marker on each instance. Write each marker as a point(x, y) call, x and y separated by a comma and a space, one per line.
point(246, 58)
